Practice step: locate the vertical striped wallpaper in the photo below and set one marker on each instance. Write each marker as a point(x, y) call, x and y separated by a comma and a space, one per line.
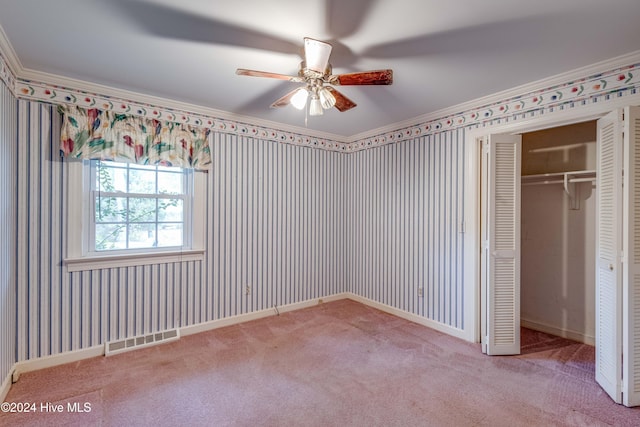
point(284, 224)
point(277, 223)
point(8, 177)
point(40, 226)
point(406, 209)
point(276, 219)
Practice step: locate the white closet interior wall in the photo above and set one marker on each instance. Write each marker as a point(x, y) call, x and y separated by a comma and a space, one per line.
point(558, 235)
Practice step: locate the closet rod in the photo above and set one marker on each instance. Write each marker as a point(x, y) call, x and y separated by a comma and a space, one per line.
point(560, 177)
point(582, 180)
point(559, 181)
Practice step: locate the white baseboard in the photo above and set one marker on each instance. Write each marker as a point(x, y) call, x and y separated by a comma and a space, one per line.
point(564, 333)
point(99, 350)
point(6, 384)
point(58, 359)
point(47, 362)
point(274, 311)
point(458, 333)
point(234, 320)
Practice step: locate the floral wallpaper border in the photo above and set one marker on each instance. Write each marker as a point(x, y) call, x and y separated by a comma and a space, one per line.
point(600, 87)
point(6, 75)
point(595, 88)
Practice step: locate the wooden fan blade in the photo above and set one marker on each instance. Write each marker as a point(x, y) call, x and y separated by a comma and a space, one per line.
point(342, 102)
point(254, 73)
point(285, 100)
point(376, 77)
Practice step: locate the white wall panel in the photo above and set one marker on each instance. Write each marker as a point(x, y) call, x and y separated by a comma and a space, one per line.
point(8, 242)
point(406, 209)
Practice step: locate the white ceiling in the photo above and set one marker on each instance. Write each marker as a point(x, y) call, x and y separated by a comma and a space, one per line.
point(442, 52)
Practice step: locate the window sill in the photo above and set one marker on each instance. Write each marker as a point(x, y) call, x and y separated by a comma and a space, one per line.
point(131, 260)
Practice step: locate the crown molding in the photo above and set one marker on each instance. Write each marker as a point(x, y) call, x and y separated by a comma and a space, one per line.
point(177, 112)
point(599, 82)
point(596, 82)
point(9, 54)
point(517, 92)
point(35, 85)
point(127, 96)
point(10, 65)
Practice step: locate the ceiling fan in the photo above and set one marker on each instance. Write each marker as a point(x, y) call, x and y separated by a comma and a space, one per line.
point(316, 75)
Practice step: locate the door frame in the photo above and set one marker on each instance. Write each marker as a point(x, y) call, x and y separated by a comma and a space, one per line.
point(472, 179)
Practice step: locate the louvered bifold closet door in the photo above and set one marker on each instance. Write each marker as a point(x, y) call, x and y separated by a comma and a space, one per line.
point(608, 251)
point(631, 268)
point(503, 273)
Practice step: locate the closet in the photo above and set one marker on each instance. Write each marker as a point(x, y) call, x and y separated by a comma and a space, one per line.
point(558, 225)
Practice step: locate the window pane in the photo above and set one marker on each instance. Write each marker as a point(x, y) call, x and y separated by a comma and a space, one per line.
point(124, 222)
point(170, 234)
point(170, 210)
point(111, 236)
point(142, 235)
point(111, 209)
point(142, 210)
point(170, 183)
point(111, 178)
point(142, 181)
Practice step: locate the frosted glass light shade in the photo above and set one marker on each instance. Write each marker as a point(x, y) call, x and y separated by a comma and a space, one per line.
point(299, 99)
point(315, 107)
point(327, 99)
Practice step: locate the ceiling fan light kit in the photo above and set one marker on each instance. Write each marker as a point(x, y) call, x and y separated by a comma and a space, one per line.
point(299, 100)
point(315, 106)
point(327, 99)
point(316, 74)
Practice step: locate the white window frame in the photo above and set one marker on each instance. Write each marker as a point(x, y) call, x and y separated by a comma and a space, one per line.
point(78, 226)
point(90, 171)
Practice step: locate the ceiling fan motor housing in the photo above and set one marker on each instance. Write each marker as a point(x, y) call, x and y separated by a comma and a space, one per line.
point(309, 73)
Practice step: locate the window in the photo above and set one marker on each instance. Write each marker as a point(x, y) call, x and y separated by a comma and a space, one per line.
point(137, 207)
point(125, 214)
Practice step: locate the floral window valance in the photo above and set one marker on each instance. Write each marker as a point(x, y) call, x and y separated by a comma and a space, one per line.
point(105, 135)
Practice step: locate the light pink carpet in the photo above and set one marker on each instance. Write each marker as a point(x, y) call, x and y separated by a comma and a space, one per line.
point(336, 364)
